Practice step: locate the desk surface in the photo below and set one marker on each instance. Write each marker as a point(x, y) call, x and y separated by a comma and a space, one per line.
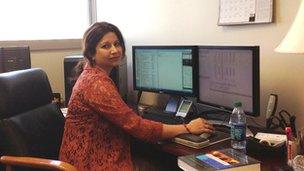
point(172, 151)
point(268, 163)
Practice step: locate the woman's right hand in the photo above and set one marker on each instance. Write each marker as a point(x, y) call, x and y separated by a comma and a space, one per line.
point(196, 126)
point(199, 126)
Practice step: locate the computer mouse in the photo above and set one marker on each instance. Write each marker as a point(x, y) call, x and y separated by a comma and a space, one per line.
point(205, 135)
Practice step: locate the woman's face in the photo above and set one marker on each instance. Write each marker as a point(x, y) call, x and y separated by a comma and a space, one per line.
point(108, 52)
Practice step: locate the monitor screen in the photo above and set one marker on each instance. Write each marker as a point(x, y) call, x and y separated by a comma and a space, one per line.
point(165, 69)
point(228, 74)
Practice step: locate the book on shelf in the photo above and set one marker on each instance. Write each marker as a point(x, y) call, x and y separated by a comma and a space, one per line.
point(225, 159)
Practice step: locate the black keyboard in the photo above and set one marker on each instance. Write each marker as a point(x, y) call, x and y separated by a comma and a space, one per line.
point(157, 111)
point(161, 116)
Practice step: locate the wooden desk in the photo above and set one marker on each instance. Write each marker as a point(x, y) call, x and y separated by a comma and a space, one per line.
point(165, 155)
point(267, 163)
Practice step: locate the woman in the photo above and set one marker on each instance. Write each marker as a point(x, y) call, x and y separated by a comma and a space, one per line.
point(98, 123)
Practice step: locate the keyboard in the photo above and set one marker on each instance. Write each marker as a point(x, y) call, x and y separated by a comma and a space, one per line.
point(226, 124)
point(218, 122)
point(161, 116)
point(157, 111)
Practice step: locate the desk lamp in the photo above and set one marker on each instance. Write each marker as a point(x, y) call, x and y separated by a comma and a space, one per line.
point(293, 42)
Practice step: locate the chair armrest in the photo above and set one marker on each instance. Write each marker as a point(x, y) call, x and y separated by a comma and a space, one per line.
point(36, 162)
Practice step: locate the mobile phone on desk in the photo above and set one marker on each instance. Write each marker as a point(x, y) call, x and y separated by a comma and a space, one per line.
point(184, 108)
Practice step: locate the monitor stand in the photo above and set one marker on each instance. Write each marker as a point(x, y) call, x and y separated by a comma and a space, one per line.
point(169, 105)
point(139, 96)
point(172, 104)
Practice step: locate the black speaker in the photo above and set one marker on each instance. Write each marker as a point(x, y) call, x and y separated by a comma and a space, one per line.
point(118, 75)
point(14, 58)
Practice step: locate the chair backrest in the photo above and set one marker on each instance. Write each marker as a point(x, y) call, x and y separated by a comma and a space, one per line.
point(23, 90)
point(30, 124)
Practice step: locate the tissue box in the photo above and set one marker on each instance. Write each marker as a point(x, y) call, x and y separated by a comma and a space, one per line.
point(255, 147)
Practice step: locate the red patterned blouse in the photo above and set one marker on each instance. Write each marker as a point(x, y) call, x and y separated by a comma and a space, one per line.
point(98, 125)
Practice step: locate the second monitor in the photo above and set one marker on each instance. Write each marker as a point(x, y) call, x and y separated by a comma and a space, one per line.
point(228, 74)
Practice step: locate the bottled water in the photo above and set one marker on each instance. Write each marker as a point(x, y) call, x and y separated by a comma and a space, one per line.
point(238, 127)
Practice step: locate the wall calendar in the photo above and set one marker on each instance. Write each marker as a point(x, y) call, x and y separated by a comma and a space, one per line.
point(235, 12)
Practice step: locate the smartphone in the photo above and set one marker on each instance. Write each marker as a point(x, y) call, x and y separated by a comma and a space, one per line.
point(184, 108)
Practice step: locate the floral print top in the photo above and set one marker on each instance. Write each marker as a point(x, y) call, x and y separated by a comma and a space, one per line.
point(98, 125)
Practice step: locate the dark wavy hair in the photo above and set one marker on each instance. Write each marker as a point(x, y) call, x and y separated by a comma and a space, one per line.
point(94, 34)
point(90, 40)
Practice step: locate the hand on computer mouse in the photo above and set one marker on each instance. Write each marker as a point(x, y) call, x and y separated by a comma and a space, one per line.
point(199, 126)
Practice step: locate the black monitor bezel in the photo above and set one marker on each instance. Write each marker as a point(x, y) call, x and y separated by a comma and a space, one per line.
point(194, 51)
point(255, 75)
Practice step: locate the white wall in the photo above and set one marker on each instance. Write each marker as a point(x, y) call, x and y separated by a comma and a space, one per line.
point(195, 22)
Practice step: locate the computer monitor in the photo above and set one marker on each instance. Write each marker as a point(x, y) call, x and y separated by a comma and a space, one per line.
point(228, 74)
point(165, 69)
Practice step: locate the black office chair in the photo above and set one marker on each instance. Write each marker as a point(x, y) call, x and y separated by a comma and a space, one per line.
point(31, 126)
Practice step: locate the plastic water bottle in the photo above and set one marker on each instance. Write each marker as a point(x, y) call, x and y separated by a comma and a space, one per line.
point(238, 127)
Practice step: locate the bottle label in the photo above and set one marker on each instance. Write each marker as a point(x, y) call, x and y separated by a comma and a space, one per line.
point(238, 132)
